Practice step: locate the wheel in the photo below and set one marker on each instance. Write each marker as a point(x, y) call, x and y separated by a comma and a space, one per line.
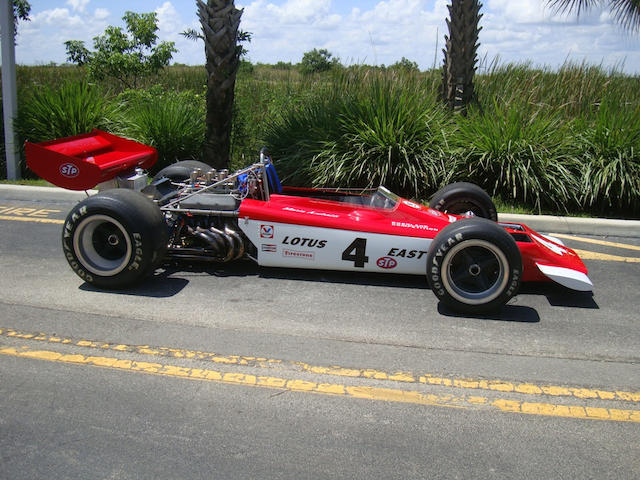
point(181, 171)
point(462, 197)
point(474, 266)
point(115, 238)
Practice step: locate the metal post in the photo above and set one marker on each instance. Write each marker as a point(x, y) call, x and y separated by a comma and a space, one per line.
point(9, 92)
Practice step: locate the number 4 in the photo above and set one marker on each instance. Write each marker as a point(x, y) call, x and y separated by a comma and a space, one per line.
point(356, 252)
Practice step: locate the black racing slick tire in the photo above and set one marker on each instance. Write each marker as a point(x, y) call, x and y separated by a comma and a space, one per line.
point(474, 266)
point(115, 238)
point(462, 197)
point(181, 171)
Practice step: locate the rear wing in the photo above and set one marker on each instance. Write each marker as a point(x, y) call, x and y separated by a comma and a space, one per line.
point(83, 161)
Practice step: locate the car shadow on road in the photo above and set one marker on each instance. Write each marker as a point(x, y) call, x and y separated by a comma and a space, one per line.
point(159, 285)
point(508, 313)
point(250, 269)
point(349, 278)
point(559, 296)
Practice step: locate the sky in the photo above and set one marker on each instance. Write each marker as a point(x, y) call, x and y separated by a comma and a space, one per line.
point(355, 31)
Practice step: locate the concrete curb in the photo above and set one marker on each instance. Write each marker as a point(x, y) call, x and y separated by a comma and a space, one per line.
point(541, 223)
point(576, 225)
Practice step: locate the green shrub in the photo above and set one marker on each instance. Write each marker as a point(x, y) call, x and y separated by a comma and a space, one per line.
point(518, 153)
point(76, 107)
point(367, 130)
point(610, 146)
point(172, 122)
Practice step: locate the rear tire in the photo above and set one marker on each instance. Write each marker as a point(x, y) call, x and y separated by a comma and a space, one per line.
point(474, 266)
point(181, 171)
point(462, 197)
point(115, 238)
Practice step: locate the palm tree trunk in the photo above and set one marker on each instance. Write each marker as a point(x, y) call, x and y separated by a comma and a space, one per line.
point(460, 54)
point(220, 22)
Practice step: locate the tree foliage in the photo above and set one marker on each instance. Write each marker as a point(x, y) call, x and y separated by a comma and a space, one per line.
point(243, 37)
point(626, 12)
point(125, 56)
point(405, 65)
point(316, 61)
point(21, 10)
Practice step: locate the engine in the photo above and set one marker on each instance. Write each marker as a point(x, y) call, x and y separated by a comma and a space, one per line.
point(202, 212)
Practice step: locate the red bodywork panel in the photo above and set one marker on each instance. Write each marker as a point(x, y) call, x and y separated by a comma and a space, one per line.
point(406, 219)
point(83, 161)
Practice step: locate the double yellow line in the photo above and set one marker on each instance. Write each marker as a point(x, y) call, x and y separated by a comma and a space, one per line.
point(468, 398)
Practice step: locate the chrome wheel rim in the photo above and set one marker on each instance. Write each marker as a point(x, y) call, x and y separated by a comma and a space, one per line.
point(102, 245)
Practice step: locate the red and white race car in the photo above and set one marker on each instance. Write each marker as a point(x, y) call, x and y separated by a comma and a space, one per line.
point(120, 235)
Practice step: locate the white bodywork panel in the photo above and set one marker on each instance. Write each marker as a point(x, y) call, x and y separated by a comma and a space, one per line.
point(301, 246)
point(567, 277)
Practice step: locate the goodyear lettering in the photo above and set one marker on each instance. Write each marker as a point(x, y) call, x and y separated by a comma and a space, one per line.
point(67, 230)
point(404, 253)
point(304, 242)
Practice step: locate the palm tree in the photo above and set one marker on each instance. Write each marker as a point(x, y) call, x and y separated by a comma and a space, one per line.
point(220, 21)
point(460, 56)
point(626, 12)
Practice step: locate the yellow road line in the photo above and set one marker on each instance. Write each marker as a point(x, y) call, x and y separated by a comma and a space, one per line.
point(31, 219)
point(597, 242)
point(404, 377)
point(586, 255)
point(334, 389)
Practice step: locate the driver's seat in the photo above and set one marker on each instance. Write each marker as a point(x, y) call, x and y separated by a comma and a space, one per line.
point(274, 182)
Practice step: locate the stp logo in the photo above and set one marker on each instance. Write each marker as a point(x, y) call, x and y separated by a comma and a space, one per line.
point(387, 263)
point(266, 231)
point(69, 170)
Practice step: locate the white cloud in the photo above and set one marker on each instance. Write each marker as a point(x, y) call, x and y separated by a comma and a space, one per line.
point(378, 31)
point(101, 13)
point(41, 40)
point(77, 5)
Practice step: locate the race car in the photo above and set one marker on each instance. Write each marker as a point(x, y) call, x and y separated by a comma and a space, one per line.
point(122, 234)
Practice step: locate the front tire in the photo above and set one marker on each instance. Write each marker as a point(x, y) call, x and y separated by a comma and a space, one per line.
point(474, 266)
point(115, 238)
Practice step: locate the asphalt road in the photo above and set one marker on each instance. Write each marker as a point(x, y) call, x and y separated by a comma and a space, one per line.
point(241, 372)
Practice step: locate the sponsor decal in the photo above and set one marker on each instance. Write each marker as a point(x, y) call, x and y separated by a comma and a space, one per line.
point(304, 242)
point(387, 263)
point(415, 226)
point(404, 253)
point(269, 248)
point(69, 170)
point(297, 254)
point(266, 231)
point(412, 205)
